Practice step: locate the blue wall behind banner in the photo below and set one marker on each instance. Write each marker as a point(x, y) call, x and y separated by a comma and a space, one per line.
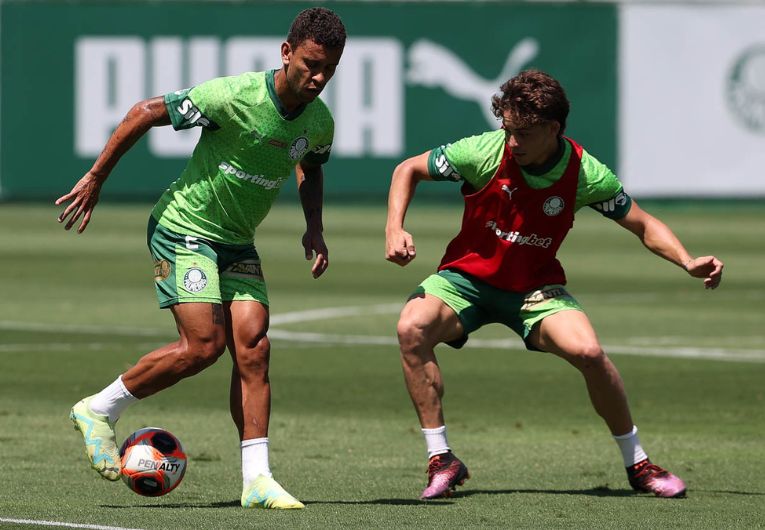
point(413, 76)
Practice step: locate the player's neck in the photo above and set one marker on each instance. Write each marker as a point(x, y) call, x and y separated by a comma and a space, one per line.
point(550, 161)
point(289, 102)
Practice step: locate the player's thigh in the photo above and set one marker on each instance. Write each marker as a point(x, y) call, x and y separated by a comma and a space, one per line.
point(427, 320)
point(568, 334)
point(201, 325)
point(185, 268)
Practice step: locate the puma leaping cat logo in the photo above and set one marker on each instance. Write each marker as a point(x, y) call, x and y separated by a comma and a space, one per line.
point(431, 65)
point(509, 191)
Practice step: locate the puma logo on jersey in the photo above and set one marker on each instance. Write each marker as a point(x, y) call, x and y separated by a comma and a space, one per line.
point(509, 191)
point(432, 65)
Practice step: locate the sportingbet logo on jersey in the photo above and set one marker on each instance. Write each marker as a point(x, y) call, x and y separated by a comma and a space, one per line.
point(516, 238)
point(229, 169)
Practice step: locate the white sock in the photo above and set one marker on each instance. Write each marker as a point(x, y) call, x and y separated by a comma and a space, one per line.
point(629, 444)
point(112, 400)
point(436, 441)
point(254, 459)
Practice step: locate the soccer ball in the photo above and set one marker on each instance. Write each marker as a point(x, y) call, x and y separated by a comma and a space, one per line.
point(153, 462)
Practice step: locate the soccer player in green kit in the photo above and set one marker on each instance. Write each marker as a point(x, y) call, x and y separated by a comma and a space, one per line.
point(256, 128)
point(522, 185)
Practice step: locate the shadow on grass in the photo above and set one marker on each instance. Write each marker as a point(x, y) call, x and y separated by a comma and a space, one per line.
point(602, 491)
point(175, 505)
point(590, 492)
point(236, 504)
point(389, 502)
point(728, 492)
point(593, 492)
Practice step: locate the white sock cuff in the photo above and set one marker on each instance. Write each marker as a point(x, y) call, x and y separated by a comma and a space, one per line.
point(629, 445)
point(124, 388)
point(112, 400)
point(435, 440)
point(254, 441)
point(437, 430)
point(254, 459)
point(630, 434)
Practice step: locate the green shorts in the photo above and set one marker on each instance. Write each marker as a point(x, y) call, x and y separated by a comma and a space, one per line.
point(478, 303)
point(193, 269)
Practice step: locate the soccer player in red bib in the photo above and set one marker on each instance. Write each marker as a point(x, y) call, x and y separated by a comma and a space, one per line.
point(522, 185)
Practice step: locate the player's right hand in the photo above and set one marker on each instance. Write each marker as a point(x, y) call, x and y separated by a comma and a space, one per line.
point(708, 267)
point(82, 200)
point(399, 247)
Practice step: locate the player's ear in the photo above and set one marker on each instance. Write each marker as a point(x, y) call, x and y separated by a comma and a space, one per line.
point(286, 53)
point(554, 127)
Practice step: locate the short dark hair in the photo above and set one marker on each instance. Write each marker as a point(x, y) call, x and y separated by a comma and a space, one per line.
point(532, 97)
point(320, 25)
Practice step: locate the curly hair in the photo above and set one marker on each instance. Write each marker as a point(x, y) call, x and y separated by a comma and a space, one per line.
point(320, 25)
point(532, 97)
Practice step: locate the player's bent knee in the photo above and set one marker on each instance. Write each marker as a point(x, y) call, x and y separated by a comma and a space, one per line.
point(201, 354)
point(255, 357)
point(411, 335)
point(589, 356)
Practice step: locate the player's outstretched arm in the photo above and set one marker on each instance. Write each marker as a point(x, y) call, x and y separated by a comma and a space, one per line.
point(659, 239)
point(310, 182)
point(84, 195)
point(399, 245)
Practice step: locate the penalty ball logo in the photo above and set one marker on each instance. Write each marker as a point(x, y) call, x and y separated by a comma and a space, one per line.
point(147, 464)
point(194, 280)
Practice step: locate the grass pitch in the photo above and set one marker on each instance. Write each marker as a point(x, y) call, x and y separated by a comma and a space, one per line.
point(77, 310)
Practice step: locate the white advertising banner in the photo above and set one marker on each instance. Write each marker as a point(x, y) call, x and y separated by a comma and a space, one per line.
point(692, 101)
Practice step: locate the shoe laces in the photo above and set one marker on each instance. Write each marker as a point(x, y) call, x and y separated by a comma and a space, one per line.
point(647, 469)
point(437, 463)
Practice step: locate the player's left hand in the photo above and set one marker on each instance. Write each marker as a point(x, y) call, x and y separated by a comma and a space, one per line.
point(708, 267)
point(313, 243)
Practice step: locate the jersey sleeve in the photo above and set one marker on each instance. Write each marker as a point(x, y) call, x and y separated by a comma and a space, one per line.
point(603, 191)
point(320, 153)
point(200, 106)
point(474, 159)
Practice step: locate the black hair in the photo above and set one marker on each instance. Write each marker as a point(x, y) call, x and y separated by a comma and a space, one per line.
point(320, 25)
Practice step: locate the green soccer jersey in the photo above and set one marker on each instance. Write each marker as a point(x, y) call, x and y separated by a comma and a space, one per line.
point(476, 159)
point(248, 148)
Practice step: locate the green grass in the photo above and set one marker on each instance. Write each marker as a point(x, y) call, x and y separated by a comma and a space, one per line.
point(78, 309)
